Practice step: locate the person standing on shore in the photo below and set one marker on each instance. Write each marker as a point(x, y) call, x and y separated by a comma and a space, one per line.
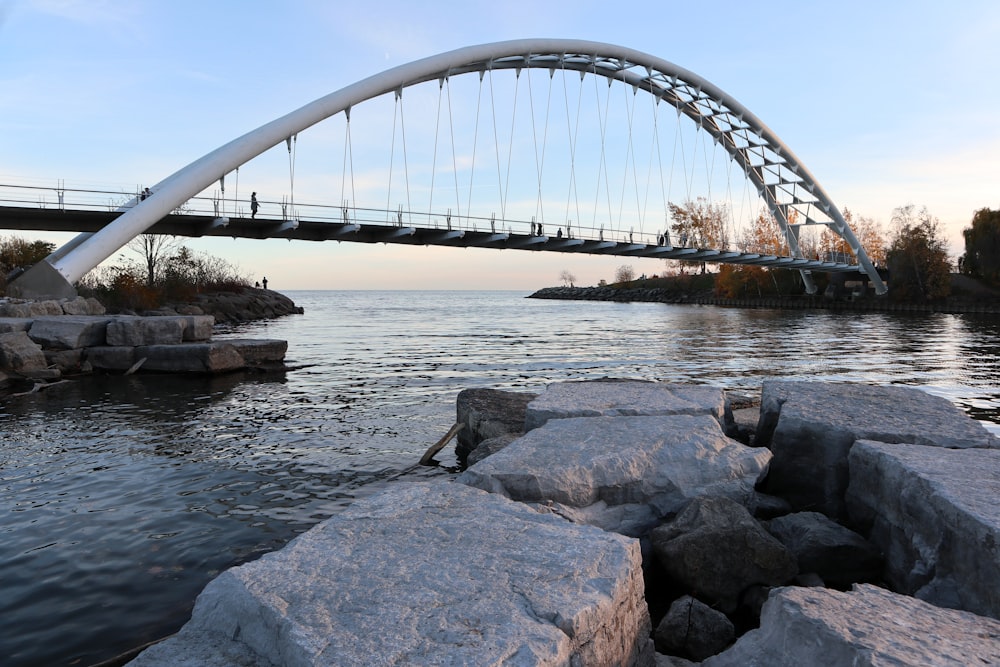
point(264, 282)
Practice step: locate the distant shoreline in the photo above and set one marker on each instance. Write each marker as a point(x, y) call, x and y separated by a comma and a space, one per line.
point(622, 294)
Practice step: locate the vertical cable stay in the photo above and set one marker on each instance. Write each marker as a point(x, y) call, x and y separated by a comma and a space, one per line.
point(292, 143)
point(406, 165)
point(475, 141)
point(454, 159)
point(496, 146)
point(510, 145)
point(348, 163)
point(392, 158)
point(572, 131)
point(437, 130)
point(538, 168)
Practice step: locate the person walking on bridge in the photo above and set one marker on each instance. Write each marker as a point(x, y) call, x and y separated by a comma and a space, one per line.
point(253, 205)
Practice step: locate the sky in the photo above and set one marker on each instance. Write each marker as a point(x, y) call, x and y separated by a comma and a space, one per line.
point(887, 104)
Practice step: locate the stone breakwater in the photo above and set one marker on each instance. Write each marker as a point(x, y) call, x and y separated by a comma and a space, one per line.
point(42, 341)
point(637, 523)
point(663, 295)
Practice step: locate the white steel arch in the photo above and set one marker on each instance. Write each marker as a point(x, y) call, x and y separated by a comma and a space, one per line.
point(780, 178)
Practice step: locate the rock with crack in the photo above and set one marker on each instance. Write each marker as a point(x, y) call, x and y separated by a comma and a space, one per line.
point(426, 573)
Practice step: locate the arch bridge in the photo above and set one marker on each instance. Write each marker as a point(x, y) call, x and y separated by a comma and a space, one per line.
point(792, 197)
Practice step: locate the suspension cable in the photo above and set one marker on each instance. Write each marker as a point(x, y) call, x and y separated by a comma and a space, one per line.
point(475, 141)
point(454, 159)
point(437, 128)
point(573, 132)
point(292, 143)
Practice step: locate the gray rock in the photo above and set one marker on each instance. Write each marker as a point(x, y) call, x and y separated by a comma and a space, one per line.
point(16, 310)
point(692, 629)
point(615, 398)
point(212, 357)
point(135, 331)
point(11, 324)
point(716, 550)
point(868, 626)
point(81, 306)
point(489, 447)
point(20, 354)
point(259, 351)
point(488, 413)
point(811, 426)
point(69, 332)
point(198, 326)
point(107, 358)
point(427, 574)
point(820, 545)
point(47, 308)
point(935, 515)
point(621, 473)
point(67, 361)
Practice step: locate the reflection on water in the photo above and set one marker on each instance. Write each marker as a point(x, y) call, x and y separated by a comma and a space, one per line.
point(122, 497)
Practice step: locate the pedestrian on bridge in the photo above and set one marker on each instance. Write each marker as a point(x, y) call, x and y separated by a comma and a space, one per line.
point(253, 214)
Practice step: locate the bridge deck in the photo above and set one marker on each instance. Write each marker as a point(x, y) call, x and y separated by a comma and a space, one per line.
point(70, 220)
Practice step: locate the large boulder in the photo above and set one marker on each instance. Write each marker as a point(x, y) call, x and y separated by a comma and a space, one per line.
point(259, 351)
point(616, 398)
point(868, 626)
point(10, 324)
point(934, 512)
point(135, 331)
point(20, 354)
point(111, 358)
point(422, 574)
point(212, 357)
point(692, 629)
point(486, 414)
point(822, 546)
point(69, 332)
point(811, 426)
point(623, 474)
point(716, 550)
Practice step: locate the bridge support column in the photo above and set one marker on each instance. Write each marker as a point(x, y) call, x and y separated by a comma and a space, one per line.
point(41, 281)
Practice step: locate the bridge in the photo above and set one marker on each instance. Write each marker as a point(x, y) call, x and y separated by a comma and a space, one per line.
point(515, 210)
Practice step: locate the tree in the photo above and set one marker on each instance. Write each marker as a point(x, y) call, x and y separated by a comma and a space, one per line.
point(16, 252)
point(699, 223)
point(918, 259)
point(624, 274)
point(567, 278)
point(155, 249)
point(869, 233)
point(982, 247)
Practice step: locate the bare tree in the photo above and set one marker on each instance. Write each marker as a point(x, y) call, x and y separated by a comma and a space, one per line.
point(155, 250)
point(567, 278)
point(624, 274)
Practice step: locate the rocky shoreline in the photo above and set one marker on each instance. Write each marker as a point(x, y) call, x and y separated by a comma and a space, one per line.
point(45, 341)
point(639, 523)
point(674, 296)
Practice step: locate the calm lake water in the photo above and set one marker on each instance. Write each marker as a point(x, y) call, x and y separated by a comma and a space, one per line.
point(122, 497)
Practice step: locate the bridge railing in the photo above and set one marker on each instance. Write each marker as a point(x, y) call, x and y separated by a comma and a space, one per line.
point(109, 200)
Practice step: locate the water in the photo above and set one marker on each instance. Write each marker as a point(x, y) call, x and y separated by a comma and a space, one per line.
point(122, 497)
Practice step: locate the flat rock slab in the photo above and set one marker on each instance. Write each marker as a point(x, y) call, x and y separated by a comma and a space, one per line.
point(69, 332)
point(426, 574)
point(622, 474)
point(212, 357)
point(617, 398)
point(135, 331)
point(934, 513)
point(259, 351)
point(867, 626)
point(12, 324)
point(811, 426)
